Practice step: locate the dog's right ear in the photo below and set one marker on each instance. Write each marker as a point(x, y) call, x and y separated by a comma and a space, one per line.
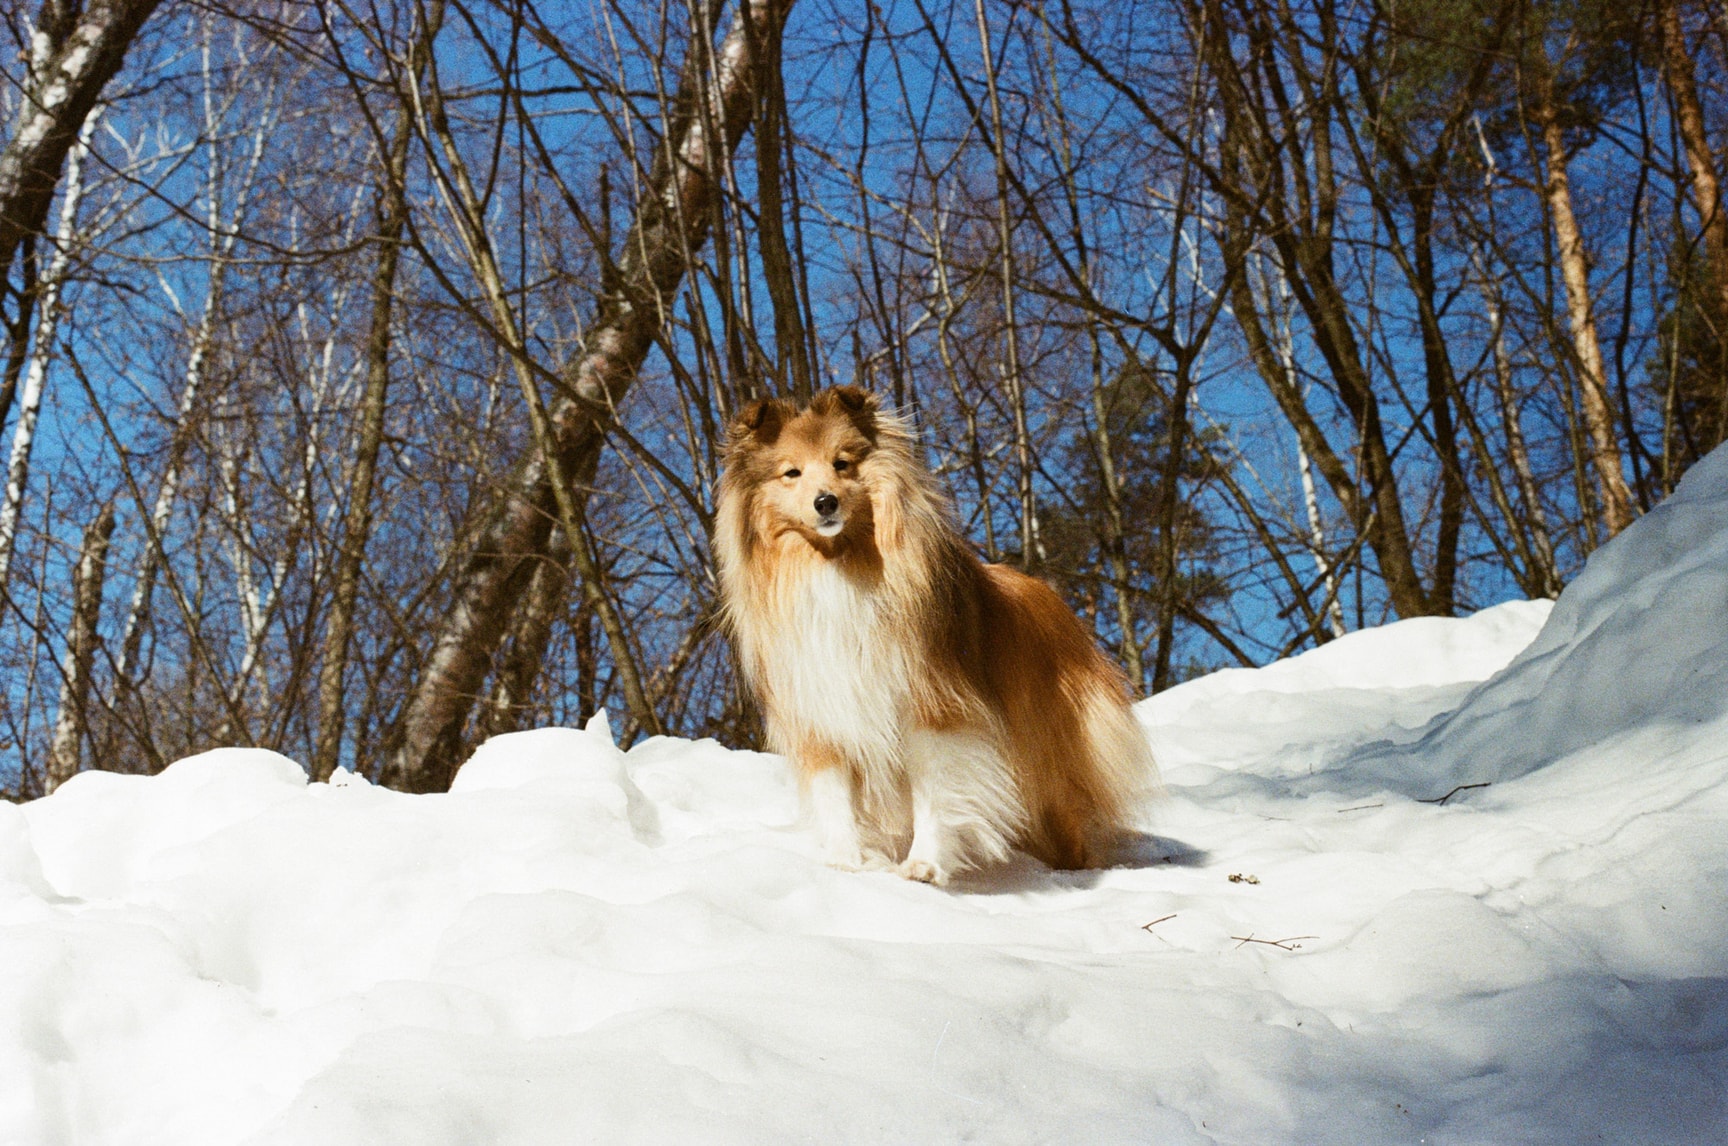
point(760, 421)
point(853, 401)
point(858, 406)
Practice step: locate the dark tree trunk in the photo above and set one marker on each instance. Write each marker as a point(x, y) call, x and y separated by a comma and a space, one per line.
point(512, 696)
point(357, 522)
point(72, 725)
point(1258, 179)
point(1707, 188)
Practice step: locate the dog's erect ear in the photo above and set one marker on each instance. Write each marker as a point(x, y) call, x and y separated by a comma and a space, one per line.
point(761, 420)
point(851, 399)
point(857, 404)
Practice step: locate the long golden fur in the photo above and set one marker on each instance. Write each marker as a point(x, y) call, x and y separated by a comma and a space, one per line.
point(940, 711)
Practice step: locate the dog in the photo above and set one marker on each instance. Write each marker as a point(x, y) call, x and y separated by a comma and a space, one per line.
point(940, 711)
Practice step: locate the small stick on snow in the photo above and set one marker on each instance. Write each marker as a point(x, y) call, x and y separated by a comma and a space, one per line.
point(1460, 788)
point(1149, 926)
point(1289, 944)
point(1360, 807)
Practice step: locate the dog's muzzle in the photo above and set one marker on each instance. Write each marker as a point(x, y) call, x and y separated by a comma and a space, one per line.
point(827, 512)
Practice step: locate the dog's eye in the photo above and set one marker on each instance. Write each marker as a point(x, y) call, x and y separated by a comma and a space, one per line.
point(841, 465)
point(792, 473)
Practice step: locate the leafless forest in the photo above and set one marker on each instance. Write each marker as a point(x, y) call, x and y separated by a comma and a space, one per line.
point(365, 361)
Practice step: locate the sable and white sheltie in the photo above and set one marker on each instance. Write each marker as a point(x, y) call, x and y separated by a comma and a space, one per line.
point(940, 711)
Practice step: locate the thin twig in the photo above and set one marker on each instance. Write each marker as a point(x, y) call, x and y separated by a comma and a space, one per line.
point(1289, 944)
point(1147, 927)
point(1460, 788)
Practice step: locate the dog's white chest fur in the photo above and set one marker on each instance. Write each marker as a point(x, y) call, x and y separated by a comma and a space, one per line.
point(837, 668)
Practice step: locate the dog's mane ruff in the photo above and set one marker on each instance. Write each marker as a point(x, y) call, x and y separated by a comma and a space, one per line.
point(914, 554)
point(925, 562)
point(914, 525)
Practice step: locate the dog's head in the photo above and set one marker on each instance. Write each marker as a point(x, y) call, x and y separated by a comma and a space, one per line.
point(808, 466)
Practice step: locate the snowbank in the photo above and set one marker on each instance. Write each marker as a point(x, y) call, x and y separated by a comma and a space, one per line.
point(1636, 651)
point(582, 944)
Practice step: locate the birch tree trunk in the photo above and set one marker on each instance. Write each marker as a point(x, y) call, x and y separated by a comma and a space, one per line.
point(1546, 573)
point(222, 236)
point(1286, 347)
point(1115, 535)
point(48, 289)
point(708, 117)
point(1254, 162)
point(462, 197)
point(1598, 413)
point(74, 51)
point(72, 725)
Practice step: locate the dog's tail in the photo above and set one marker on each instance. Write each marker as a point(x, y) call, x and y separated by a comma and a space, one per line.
point(1084, 801)
point(1121, 756)
point(1083, 761)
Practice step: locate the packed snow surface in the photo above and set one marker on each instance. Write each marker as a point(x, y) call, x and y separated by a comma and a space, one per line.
point(1318, 939)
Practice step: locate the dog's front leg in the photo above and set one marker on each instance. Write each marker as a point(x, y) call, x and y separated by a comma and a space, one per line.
point(831, 802)
point(965, 805)
point(926, 860)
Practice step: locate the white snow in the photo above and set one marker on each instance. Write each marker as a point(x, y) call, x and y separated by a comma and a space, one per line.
point(581, 945)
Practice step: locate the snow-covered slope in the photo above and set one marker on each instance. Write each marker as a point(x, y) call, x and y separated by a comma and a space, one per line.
point(582, 945)
point(1635, 653)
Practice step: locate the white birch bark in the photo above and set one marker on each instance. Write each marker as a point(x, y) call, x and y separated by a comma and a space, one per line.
point(1286, 348)
point(222, 235)
point(74, 51)
point(1598, 409)
point(257, 596)
point(66, 242)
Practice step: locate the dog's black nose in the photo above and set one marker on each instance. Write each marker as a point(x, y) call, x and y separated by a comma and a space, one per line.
point(826, 503)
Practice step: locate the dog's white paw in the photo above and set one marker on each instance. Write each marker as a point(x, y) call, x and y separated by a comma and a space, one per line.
point(863, 859)
point(877, 861)
point(923, 871)
point(846, 859)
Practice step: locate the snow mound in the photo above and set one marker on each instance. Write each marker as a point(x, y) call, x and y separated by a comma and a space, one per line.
point(1316, 941)
point(1306, 712)
point(1635, 649)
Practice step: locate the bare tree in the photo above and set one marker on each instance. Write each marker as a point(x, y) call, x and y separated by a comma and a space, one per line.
point(71, 728)
point(1599, 419)
point(1712, 212)
point(75, 49)
point(66, 243)
point(710, 112)
point(392, 218)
